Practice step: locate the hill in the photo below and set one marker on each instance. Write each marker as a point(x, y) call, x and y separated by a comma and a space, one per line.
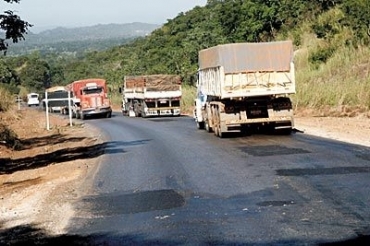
point(97, 37)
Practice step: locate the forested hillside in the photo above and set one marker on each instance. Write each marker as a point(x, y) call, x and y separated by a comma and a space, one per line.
point(331, 39)
point(81, 39)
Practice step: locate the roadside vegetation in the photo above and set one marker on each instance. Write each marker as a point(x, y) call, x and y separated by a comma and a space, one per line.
point(6, 100)
point(331, 39)
point(7, 136)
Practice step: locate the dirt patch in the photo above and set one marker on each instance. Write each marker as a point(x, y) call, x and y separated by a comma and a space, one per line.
point(342, 124)
point(40, 181)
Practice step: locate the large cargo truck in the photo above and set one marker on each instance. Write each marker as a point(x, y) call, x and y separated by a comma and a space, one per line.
point(57, 99)
point(90, 98)
point(245, 86)
point(151, 95)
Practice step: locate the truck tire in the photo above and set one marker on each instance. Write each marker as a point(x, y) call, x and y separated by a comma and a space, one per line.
point(207, 127)
point(109, 115)
point(200, 125)
point(286, 131)
point(217, 126)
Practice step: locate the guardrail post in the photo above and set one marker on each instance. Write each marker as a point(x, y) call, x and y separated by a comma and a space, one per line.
point(47, 111)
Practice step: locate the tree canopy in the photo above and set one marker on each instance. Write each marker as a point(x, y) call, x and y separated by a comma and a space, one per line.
point(13, 26)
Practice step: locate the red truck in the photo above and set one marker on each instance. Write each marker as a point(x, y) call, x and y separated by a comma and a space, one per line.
point(90, 98)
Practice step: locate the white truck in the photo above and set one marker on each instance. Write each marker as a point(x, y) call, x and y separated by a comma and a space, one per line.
point(245, 86)
point(151, 95)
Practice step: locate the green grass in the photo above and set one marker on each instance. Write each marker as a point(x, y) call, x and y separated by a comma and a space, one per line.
point(187, 99)
point(116, 100)
point(343, 81)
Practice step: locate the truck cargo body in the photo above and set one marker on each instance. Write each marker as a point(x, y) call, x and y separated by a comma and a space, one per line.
point(57, 99)
point(151, 95)
point(245, 85)
point(90, 98)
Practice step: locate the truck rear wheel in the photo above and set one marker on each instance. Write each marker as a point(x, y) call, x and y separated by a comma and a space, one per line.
point(217, 127)
point(207, 127)
point(218, 131)
point(283, 128)
point(200, 125)
point(285, 131)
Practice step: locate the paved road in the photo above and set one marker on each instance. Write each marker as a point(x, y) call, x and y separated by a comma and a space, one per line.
point(162, 181)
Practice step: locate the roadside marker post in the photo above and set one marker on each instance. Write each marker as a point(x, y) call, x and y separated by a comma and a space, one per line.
point(47, 111)
point(57, 99)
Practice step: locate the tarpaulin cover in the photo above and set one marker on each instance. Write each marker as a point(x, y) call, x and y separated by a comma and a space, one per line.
point(155, 82)
point(248, 57)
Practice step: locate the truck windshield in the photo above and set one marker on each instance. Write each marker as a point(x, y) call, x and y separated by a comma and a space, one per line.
point(92, 90)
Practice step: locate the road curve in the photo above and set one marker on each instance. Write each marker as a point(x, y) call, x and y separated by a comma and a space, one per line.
point(162, 181)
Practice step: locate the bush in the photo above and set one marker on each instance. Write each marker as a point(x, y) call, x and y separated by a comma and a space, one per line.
point(6, 99)
point(9, 138)
point(321, 55)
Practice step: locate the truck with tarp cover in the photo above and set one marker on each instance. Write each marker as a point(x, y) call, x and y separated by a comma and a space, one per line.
point(151, 95)
point(245, 86)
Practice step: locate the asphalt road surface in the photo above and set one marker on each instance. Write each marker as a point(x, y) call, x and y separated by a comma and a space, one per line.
point(163, 182)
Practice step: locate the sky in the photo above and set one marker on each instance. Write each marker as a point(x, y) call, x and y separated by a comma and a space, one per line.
point(46, 14)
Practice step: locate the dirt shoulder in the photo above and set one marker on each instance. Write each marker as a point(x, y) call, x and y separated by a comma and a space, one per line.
point(40, 182)
point(354, 130)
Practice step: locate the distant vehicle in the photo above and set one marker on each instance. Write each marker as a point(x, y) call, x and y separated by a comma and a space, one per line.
point(151, 95)
point(245, 85)
point(33, 99)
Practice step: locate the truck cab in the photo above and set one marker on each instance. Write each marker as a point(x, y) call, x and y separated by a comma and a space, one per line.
point(90, 98)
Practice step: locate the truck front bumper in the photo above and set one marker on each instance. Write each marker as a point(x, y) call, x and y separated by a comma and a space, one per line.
point(97, 111)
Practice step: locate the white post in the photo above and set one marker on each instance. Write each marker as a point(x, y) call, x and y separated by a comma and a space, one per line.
point(19, 102)
point(47, 111)
point(69, 108)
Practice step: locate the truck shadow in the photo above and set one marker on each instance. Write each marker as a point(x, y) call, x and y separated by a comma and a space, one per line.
point(31, 235)
point(48, 140)
point(9, 166)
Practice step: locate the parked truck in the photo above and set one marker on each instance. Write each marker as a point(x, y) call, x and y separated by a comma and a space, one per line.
point(151, 95)
point(90, 98)
point(245, 86)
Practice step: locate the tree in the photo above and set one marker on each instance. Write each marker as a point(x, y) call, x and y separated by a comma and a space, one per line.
point(8, 77)
point(13, 26)
point(35, 73)
point(358, 19)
